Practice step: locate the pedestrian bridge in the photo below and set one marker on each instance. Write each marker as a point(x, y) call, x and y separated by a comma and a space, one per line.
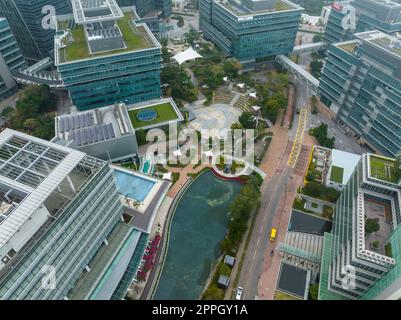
point(297, 70)
point(36, 74)
point(310, 47)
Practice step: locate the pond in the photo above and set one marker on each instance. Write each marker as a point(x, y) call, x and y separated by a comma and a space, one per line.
point(198, 226)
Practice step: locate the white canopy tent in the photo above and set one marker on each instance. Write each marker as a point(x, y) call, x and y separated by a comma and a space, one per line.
point(189, 54)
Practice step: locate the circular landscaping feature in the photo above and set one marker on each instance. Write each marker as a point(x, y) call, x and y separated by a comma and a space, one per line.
point(146, 115)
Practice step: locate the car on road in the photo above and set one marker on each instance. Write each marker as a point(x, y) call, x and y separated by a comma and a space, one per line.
point(239, 293)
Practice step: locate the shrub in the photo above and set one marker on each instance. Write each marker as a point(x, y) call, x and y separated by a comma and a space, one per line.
point(372, 225)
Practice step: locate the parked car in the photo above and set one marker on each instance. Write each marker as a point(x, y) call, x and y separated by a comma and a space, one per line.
point(239, 293)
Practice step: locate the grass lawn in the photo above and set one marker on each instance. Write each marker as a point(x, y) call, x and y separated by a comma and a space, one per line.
point(314, 205)
point(165, 112)
point(337, 174)
point(278, 295)
point(133, 41)
point(383, 169)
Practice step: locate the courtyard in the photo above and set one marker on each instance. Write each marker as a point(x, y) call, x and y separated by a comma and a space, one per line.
point(216, 116)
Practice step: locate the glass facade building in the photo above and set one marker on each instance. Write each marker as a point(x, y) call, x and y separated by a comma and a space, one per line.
point(361, 84)
point(250, 34)
point(363, 15)
point(30, 22)
point(120, 63)
point(11, 59)
point(359, 263)
point(23, 36)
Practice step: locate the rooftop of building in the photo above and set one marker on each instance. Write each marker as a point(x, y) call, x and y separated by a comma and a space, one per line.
point(35, 174)
point(242, 9)
point(94, 126)
point(384, 168)
point(348, 46)
point(154, 113)
point(382, 41)
point(342, 165)
point(89, 11)
point(75, 41)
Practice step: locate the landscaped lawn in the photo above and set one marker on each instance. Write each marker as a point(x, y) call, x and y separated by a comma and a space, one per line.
point(383, 169)
point(337, 174)
point(165, 112)
point(79, 48)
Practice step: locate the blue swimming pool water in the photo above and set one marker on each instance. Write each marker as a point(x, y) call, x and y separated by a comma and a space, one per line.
point(133, 186)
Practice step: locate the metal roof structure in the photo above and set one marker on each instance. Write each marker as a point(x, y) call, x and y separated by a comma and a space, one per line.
point(90, 11)
point(34, 166)
point(31, 169)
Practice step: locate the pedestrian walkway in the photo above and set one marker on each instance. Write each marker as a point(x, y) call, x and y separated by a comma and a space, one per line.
point(296, 148)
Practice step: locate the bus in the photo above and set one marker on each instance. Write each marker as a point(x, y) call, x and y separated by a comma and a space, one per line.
point(273, 234)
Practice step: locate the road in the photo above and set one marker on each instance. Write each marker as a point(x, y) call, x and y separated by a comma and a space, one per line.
point(254, 258)
point(273, 191)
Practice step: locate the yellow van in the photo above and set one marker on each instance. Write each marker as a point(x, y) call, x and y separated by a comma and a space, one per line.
point(273, 234)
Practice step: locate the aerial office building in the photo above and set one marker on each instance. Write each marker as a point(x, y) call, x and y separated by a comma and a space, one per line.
point(104, 57)
point(250, 30)
point(349, 17)
point(361, 84)
point(61, 223)
point(31, 22)
point(362, 254)
point(11, 59)
point(105, 133)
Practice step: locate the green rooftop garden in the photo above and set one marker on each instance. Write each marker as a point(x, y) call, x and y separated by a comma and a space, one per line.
point(384, 169)
point(165, 112)
point(279, 6)
point(337, 174)
point(135, 38)
point(349, 47)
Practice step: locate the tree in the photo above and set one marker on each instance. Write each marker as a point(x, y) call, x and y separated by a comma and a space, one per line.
point(33, 112)
point(231, 68)
point(140, 136)
point(247, 120)
point(314, 291)
point(372, 225)
point(316, 68)
point(317, 38)
point(320, 133)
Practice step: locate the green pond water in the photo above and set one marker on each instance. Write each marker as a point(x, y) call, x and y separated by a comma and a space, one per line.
point(198, 226)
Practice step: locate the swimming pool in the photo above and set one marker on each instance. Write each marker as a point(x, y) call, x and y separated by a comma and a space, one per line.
point(133, 186)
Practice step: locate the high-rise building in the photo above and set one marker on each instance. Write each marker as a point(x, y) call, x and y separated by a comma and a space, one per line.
point(24, 38)
point(104, 56)
point(11, 59)
point(60, 212)
point(142, 7)
point(349, 17)
point(362, 255)
point(377, 14)
point(361, 84)
point(250, 30)
point(339, 26)
point(30, 21)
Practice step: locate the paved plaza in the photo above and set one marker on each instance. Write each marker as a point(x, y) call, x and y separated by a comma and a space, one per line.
point(216, 116)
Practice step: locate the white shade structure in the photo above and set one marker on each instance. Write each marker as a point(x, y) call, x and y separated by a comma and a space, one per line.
point(189, 54)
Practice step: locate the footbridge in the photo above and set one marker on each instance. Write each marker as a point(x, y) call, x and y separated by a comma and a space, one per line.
point(310, 47)
point(36, 74)
point(297, 70)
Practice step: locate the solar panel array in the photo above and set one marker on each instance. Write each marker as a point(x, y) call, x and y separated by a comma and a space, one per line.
point(93, 134)
point(75, 122)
